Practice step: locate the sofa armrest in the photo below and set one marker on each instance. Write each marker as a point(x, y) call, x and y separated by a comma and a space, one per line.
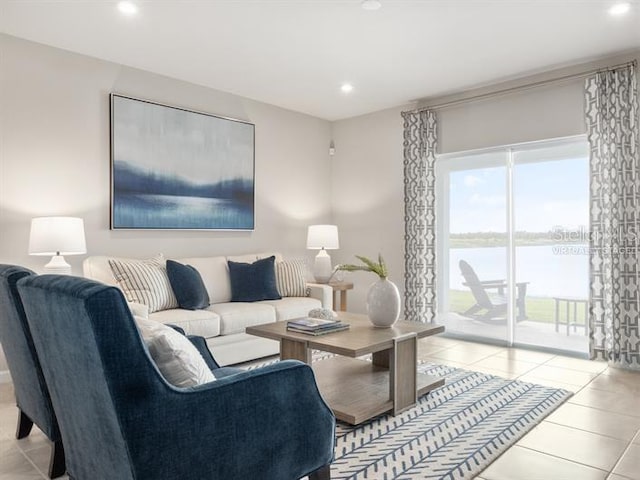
point(269, 423)
point(322, 292)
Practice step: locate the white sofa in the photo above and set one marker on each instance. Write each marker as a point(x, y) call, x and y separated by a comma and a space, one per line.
point(223, 323)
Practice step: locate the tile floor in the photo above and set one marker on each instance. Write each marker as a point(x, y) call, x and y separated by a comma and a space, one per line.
point(595, 435)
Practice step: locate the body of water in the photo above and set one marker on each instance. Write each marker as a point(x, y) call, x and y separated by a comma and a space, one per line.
point(172, 211)
point(551, 270)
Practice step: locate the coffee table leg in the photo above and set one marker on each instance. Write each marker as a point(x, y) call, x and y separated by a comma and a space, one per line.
point(403, 372)
point(381, 358)
point(295, 350)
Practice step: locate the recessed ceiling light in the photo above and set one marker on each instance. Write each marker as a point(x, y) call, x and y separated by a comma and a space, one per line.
point(619, 9)
point(127, 8)
point(346, 87)
point(371, 4)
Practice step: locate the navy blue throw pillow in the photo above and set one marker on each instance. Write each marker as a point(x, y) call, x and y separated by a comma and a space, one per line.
point(251, 282)
point(187, 286)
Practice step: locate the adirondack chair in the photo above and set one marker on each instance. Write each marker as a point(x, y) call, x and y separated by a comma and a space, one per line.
point(494, 305)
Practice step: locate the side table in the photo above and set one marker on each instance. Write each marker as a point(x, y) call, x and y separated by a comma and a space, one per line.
point(340, 289)
point(572, 301)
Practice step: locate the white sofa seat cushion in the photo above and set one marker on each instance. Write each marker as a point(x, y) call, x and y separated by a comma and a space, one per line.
point(293, 307)
point(236, 316)
point(194, 322)
point(241, 347)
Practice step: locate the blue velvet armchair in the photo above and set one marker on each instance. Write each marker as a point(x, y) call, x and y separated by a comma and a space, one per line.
point(120, 419)
point(32, 395)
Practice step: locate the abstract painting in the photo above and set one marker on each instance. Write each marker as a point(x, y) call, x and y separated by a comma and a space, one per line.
point(173, 168)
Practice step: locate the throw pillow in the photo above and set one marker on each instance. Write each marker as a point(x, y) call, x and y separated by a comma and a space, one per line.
point(145, 281)
point(252, 282)
point(176, 357)
point(290, 279)
point(188, 286)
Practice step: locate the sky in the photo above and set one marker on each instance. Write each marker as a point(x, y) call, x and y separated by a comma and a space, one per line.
point(196, 147)
point(546, 195)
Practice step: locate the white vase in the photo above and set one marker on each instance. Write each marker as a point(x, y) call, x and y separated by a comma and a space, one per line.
point(383, 303)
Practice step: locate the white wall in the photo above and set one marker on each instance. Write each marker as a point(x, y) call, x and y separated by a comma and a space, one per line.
point(367, 196)
point(54, 157)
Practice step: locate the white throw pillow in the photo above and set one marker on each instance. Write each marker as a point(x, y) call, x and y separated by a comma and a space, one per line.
point(145, 281)
point(177, 358)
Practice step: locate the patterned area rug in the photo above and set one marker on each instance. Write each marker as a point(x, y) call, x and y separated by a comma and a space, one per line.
point(454, 432)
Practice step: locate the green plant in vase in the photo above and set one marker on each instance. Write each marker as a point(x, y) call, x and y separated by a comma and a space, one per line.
point(379, 268)
point(383, 298)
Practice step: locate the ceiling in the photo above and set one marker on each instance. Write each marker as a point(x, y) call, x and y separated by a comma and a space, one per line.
point(297, 53)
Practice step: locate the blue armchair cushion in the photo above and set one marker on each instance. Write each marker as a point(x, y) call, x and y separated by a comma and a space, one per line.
point(187, 286)
point(252, 282)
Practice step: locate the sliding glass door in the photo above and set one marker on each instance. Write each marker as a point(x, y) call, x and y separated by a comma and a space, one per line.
point(513, 244)
point(475, 255)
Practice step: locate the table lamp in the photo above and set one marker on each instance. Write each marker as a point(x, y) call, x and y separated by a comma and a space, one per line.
point(57, 236)
point(323, 238)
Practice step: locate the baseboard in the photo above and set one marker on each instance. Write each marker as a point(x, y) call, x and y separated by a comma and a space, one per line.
point(5, 377)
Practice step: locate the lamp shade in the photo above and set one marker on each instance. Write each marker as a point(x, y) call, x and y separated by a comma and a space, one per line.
point(322, 237)
point(57, 236)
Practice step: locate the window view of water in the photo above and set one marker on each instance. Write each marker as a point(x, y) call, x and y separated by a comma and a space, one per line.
point(549, 271)
point(540, 195)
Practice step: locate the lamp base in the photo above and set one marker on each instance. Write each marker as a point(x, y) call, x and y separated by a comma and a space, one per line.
point(58, 266)
point(322, 269)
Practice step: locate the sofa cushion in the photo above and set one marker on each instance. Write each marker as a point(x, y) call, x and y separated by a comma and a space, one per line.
point(252, 282)
point(215, 275)
point(293, 307)
point(179, 361)
point(145, 281)
point(236, 316)
point(290, 278)
point(204, 323)
point(187, 286)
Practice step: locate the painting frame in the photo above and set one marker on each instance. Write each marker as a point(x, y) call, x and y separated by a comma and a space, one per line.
point(174, 168)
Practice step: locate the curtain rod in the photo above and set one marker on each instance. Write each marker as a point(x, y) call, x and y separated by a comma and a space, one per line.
point(506, 91)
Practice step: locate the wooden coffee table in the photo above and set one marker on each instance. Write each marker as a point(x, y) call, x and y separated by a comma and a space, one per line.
point(356, 389)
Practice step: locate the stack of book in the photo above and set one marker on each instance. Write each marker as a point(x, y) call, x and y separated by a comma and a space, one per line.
point(315, 326)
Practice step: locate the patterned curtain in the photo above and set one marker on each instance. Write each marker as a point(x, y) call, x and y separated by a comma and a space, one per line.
point(420, 215)
point(612, 129)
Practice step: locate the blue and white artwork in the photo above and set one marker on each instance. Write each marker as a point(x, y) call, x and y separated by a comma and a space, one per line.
point(177, 169)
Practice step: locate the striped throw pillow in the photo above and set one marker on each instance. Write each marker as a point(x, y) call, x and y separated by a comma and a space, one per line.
point(290, 279)
point(145, 281)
